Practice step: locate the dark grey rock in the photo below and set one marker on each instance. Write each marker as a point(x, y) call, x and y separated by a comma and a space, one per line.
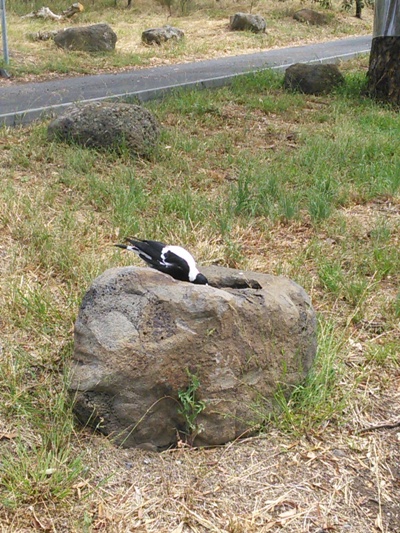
point(138, 332)
point(312, 79)
point(161, 35)
point(108, 125)
point(247, 22)
point(310, 17)
point(95, 38)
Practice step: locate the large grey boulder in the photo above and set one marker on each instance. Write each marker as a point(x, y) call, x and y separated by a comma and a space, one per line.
point(312, 79)
point(247, 22)
point(95, 38)
point(108, 125)
point(139, 332)
point(161, 35)
point(310, 16)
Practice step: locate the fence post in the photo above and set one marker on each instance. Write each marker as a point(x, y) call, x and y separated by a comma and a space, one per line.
point(4, 31)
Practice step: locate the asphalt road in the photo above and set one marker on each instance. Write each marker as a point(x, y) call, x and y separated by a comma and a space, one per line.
point(25, 102)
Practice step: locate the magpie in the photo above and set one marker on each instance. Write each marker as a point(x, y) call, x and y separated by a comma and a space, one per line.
point(172, 260)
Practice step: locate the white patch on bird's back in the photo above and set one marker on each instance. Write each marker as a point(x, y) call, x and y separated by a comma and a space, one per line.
point(184, 254)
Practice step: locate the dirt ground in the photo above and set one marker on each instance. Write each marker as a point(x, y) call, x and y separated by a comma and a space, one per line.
point(330, 480)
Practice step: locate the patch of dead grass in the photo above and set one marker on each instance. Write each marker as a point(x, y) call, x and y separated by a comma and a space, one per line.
point(269, 483)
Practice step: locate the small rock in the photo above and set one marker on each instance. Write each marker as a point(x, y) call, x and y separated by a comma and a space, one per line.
point(95, 38)
point(330, 241)
point(247, 22)
point(310, 17)
point(312, 79)
point(161, 35)
point(339, 453)
point(43, 35)
point(108, 125)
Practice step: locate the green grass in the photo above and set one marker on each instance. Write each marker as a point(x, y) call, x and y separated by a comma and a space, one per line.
point(355, 160)
point(40, 463)
point(319, 398)
point(191, 407)
point(247, 176)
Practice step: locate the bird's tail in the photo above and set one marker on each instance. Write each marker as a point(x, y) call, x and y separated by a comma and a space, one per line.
point(132, 246)
point(135, 243)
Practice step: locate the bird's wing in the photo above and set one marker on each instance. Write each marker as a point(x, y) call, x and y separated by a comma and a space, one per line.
point(173, 260)
point(159, 256)
point(148, 250)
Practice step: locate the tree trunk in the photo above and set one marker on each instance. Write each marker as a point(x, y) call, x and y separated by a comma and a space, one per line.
point(384, 70)
point(359, 6)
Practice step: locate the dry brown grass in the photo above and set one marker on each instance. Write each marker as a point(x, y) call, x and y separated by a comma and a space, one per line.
point(206, 36)
point(339, 476)
point(324, 481)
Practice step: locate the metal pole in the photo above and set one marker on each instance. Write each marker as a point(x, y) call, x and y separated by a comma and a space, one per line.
point(4, 31)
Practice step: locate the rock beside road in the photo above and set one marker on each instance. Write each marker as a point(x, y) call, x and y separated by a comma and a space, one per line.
point(108, 125)
point(94, 38)
point(313, 79)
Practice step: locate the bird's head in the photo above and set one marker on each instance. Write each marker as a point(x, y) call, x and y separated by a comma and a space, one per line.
point(200, 280)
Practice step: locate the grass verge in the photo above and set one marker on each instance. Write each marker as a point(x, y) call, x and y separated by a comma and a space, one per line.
point(249, 177)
